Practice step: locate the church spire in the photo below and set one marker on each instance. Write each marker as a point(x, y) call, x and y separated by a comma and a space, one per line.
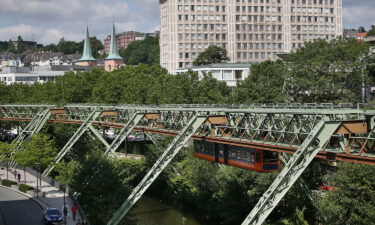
point(113, 51)
point(87, 52)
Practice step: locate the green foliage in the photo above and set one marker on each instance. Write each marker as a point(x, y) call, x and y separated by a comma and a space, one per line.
point(264, 84)
point(117, 176)
point(146, 51)
point(8, 183)
point(326, 72)
point(353, 203)
point(6, 151)
point(20, 45)
point(371, 32)
point(3, 46)
point(25, 188)
point(11, 47)
point(361, 29)
point(298, 218)
point(213, 54)
point(51, 47)
point(68, 47)
point(39, 150)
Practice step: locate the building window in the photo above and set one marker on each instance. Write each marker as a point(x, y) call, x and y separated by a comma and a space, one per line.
point(238, 74)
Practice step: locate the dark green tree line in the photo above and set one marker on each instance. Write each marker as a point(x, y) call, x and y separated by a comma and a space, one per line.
point(142, 52)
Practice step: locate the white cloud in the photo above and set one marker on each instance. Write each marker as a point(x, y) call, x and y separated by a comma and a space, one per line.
point(50, 20)
point(357, 16)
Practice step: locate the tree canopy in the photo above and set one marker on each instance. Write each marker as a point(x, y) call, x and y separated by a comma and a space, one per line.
point(20, 45)
point(11, 47)
point(264, 84)
point(213, 54)
point(371, 32)
point(41, 149)
point(327, 72)
point(145, 51)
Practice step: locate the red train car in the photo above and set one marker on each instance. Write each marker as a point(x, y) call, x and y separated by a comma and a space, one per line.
point(246, 158)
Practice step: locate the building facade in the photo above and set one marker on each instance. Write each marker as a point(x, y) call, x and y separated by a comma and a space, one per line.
point(250, 30)
point(40, 74)
point(230, 73)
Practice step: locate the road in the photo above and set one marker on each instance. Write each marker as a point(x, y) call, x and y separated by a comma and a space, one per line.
point(16, 209)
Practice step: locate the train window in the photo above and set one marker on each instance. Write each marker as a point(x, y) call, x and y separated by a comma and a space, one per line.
point(241, 153)
point(205, 147)
point(270, 157)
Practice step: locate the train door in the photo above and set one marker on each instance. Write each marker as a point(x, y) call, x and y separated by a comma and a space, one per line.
point(225, 149)
point(217, 153)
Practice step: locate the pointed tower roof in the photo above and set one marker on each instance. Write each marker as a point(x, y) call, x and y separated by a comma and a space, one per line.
point(113, 50)
point(87, 52)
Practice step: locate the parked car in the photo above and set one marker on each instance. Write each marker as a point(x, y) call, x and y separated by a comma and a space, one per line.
point(52, 216)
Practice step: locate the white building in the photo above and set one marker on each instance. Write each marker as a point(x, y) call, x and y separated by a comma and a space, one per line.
point(228, 72)
point(251, 30)
point(41, 74)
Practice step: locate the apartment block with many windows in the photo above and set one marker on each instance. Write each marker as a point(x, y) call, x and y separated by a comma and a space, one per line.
point(251, 30)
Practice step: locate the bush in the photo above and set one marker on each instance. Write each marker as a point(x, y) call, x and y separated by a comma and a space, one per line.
point(8, 183)
point(25, 188)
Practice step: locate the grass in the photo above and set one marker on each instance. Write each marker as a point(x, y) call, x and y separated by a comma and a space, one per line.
point(25, 188)
point(8, 183)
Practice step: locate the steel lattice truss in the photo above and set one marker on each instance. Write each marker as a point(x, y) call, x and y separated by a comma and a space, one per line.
point(330, 132)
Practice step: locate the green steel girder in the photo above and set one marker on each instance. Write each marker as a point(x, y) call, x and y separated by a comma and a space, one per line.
point(172, 150)
point(124, 132)
point(317, 138)
point(285, 125)
point(81, 130)
point(32, 127)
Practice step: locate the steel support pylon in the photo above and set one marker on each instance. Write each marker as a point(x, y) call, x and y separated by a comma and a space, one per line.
point(81, 130)
point(172, 150)
point(317, 138)
point(33, 127)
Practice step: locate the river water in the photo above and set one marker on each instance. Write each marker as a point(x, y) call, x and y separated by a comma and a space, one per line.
point(150, 211)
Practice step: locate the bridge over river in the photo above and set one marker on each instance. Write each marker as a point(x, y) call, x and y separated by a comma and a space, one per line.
point(331, 132)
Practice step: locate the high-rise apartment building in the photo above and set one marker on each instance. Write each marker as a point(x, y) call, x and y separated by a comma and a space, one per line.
point(251, 30)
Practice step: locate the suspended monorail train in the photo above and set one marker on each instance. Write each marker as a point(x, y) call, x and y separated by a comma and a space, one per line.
point(246, 158)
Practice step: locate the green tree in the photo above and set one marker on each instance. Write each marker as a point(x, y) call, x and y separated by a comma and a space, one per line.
point(51, 47)
point(142, 52)
point(11, 47)
point(68, 47)
point(20, 45)
point(263, 85)
point(298, 218)
point(371, 32)
point(353, 201)
point(327, 71)
point(213, 54)
point(117, 176)
point(3, 46)
point(361, 29)
point(41, 149)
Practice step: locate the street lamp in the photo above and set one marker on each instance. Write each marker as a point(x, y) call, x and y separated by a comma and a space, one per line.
point(37, 165)
point(65, 211)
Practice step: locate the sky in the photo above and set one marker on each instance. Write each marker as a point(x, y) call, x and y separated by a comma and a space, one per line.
point(49, 20)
